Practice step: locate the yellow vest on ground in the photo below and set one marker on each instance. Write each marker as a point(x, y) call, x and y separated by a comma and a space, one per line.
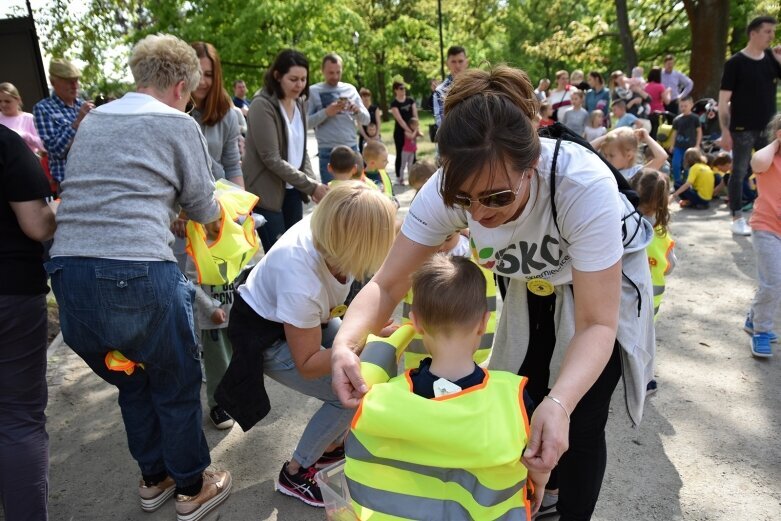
point(416, 351)
point(221, 262)
point(662, 262)
point(455, 457)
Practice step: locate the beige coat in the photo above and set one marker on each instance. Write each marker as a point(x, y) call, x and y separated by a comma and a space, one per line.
point(265, 166)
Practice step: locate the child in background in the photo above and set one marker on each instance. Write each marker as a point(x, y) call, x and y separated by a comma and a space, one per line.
point(766, 238)
point(577, 117)
point(721, 166)
point(697, 191)
point(342, 165)
point(619, 146)
point(372, 132)
point(410, 148)
point(687, 133)
point(623, 118)
point(419, 173)
point(546, 114)
point(413, 417)
point(375, 155)
point(595, 127)
point(652, 188)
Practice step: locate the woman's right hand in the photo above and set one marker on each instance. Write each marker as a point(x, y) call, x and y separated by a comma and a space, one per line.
point(319, 192)
point(346, 379)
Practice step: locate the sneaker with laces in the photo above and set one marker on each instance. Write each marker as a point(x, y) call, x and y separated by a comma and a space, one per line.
point(153, 496)
point(331, 457)
point(740, 227)
point(748, 327)
point(760, 345)
point(220, 418)
point(301, 485)
point(216, 489)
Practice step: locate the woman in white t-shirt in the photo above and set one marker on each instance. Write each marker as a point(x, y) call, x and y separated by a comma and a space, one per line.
point(299, 288)
point(579, 308)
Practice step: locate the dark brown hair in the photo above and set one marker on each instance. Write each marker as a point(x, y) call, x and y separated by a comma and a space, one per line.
point(655, 75)
point(285, 60)
point(653, 188)
point(217, 102)
point(342, 159)
point(448, 293)
point(487, 124)
point(757, 22)
point(722, 158)
point(692, 156)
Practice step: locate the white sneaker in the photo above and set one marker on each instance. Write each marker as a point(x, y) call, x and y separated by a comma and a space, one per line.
point(740, 227)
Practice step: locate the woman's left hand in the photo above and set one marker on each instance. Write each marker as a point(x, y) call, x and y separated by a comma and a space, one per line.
point(549, 437)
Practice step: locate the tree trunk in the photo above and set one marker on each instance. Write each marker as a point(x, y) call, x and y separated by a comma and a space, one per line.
point(709, 22)
point(625, 35)
point(382, 96)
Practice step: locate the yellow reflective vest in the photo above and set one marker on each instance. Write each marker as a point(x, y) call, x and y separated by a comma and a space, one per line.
point(455, 457)
point(662, 261)
point(387, 186)
point(221, 262)
point(416, 351)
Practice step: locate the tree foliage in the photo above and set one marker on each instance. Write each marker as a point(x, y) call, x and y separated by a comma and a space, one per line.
point(399, 39)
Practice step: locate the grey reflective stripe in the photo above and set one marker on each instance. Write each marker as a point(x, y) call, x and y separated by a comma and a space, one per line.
point(658, 290)
point(492, 303)
point(483, 495)
point(416, 346)
point(381, 354)
point(414, 507)
point(405, 307)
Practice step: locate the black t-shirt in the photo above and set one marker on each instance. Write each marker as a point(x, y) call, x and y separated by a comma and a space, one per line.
point(405, 109)
point(372, 114)
point(753, 86)
point(686, 130)
point(423, 379)
point(21, 179)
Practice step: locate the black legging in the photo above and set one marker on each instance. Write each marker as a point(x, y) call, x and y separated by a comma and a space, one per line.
point(581, 469)
point(398, 139)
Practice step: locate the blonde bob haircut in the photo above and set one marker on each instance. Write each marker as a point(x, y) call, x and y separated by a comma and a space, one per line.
point(353, 229)
point(160, 61)
point(11, 90)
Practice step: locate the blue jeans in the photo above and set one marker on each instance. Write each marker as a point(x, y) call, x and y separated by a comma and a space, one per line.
point(144, 310)
point(742, 144)
point(676, 166)
point(324, 155)
point(277, 223)
point(24, 444)
point(331, 421)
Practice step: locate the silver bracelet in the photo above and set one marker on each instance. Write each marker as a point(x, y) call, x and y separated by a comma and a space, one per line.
point(558, 402)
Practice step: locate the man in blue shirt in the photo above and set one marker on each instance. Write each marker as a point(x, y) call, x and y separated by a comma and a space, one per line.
point(58, 117)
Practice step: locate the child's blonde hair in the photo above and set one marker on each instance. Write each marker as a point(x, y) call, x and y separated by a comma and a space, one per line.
point(774, 126)
point(353, 228)
point(413, 121)
point(653, 188)
point(692, 156)
point(449, 294)
point(420, 172)
point(622, 137)
point(596, 116)
point(373, 149)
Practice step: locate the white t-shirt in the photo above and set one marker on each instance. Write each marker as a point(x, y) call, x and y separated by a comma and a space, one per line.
point(593, 133)
point(292, 284)
point(632, 171)
point(296, 137)
point(590, 210)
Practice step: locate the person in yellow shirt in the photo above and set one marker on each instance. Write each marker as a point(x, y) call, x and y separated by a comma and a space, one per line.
point(697, 191)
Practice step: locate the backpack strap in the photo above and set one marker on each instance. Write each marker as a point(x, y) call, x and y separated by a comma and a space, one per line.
point(553, 185)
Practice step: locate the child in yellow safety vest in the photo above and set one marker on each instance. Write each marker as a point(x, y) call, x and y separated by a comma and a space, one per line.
point(456, 244)
point(418, 447)
point(346, 165)
point(375, 155)
point(653, 188)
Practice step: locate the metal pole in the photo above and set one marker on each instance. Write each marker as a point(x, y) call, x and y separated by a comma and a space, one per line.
point(441, 43)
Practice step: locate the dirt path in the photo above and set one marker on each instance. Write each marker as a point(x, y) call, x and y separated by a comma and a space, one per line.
point(708, 448)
